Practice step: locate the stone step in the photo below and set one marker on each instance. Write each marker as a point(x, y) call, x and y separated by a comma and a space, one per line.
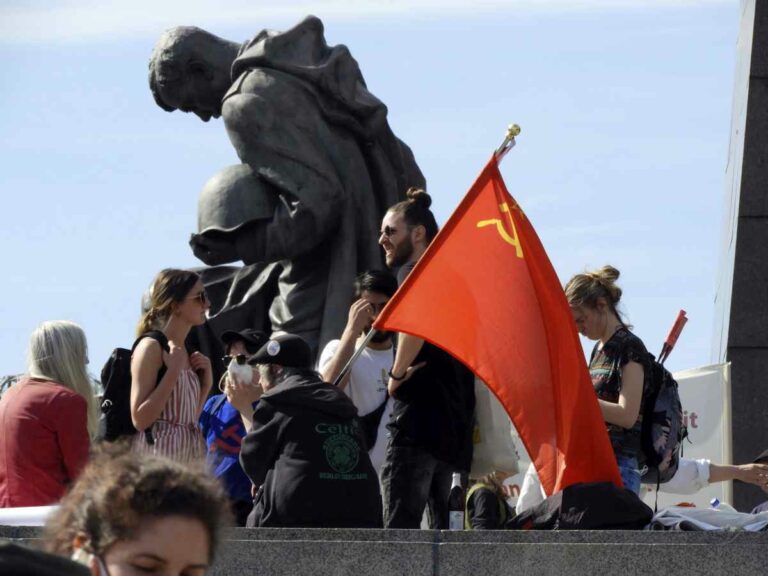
point(320, 552)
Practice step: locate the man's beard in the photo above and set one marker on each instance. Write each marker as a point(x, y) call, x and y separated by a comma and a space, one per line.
point(380, 337)
point(402, 254)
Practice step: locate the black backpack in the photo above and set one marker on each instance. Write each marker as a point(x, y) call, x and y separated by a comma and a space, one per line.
point(663, 430)
point(115, 418)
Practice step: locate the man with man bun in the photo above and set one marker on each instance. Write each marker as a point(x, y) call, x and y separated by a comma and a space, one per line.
point(433, 415)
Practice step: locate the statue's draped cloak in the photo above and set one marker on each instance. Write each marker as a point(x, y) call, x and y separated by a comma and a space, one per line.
point(300, 115)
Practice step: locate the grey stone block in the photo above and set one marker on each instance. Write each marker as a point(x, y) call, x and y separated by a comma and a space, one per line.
point(577, 559)
point(754, 171)
point(325, 558)
point(749, 297)
point(333, 534)
point(299, 552)
point(759, 66)
point(749, 414)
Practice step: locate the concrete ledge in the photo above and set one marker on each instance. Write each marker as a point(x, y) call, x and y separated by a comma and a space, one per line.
point(317, 552)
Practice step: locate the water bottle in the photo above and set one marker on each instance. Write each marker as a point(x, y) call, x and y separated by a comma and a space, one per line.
point(456, 500)
point(717, 505)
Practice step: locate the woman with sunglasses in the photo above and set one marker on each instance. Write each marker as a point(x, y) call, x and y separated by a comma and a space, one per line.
point(169, 386)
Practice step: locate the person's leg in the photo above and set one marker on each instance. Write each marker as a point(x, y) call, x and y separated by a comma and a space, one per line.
point(630, 473)
point(405, 480)
point(439, 491)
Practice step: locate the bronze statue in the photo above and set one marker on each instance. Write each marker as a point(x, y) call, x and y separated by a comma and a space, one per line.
point(320, 167)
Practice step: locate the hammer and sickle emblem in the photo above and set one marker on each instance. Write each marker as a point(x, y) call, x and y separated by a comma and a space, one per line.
point(505, 235)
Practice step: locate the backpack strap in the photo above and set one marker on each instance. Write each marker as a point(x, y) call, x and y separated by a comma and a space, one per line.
point(157, 335)
point(161, 339)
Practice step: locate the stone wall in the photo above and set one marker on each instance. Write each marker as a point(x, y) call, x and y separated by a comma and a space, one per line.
point(316, 552)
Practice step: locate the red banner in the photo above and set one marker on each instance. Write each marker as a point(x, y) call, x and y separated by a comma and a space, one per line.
point(486, 292)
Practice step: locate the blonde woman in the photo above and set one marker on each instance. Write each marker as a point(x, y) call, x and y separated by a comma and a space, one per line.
point(619, 366)
point(47, 419)
point(169, 385)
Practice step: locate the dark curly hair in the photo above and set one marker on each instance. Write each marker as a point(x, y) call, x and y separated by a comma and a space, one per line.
point(119, 489)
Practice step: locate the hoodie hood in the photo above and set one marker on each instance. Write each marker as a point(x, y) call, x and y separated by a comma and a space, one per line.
point(307, 391)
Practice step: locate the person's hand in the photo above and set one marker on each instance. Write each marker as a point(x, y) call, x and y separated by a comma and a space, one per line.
point(213, 250)
point(200, 363)
point(393, 384)
point(242, 396)
point(360, 315)
point(756, 474)
point(175, 358)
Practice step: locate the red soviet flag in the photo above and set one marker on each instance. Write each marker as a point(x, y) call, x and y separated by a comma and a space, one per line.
point(486, 292)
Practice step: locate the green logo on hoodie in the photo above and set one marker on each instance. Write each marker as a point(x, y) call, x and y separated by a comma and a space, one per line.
point(342, 452)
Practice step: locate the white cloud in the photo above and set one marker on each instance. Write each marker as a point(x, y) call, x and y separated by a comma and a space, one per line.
point(87, 20)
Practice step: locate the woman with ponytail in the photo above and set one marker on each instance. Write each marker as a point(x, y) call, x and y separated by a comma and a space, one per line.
point(47, 419)
point(169, 385)
point(619, 366)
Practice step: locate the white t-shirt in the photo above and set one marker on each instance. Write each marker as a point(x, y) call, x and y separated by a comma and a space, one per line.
point(367, 388)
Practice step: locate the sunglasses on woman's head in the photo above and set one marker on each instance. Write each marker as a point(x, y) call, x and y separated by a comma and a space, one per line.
point(240, 359)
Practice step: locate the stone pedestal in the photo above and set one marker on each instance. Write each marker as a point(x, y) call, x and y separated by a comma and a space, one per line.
point(741, 330)
point(318, 552)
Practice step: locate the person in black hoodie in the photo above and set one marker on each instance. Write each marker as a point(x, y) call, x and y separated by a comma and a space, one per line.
point(305, 451)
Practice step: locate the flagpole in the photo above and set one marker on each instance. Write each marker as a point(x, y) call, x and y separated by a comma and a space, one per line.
point(355, 356)
point(509, 142)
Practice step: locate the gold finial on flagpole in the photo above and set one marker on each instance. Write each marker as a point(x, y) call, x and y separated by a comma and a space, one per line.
point(513, 130)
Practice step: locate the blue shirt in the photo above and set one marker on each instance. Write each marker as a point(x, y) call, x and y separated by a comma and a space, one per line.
point(224, 432)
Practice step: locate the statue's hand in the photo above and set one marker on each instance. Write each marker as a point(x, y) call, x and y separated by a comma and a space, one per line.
point(213, 250)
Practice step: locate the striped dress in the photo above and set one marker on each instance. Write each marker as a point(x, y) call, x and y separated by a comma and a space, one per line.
point(176, 433)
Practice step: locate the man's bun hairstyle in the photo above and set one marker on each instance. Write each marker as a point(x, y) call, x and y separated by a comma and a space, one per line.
point(416, 212)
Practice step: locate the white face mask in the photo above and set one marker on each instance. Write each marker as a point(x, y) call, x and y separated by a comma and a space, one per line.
point(243, 373)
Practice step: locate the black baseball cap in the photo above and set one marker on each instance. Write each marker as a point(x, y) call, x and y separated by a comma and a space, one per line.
point(253, 339)
point(284, 350)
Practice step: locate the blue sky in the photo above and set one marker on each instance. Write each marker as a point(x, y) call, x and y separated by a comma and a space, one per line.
point(625, 109)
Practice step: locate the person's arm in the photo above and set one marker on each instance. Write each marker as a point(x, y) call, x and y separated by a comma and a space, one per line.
point(71, 417)
point(625, 412)
point(756, 474)
point(690, 477)
point(332, 363)
point(201, 364)
point(148, 397)
point(260, 447)
point(408, 347)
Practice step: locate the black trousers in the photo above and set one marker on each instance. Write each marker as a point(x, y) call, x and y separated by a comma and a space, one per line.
point(412, 479)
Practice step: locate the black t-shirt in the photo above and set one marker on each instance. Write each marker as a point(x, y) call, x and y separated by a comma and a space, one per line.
point(434, 409)
point(605, 370)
